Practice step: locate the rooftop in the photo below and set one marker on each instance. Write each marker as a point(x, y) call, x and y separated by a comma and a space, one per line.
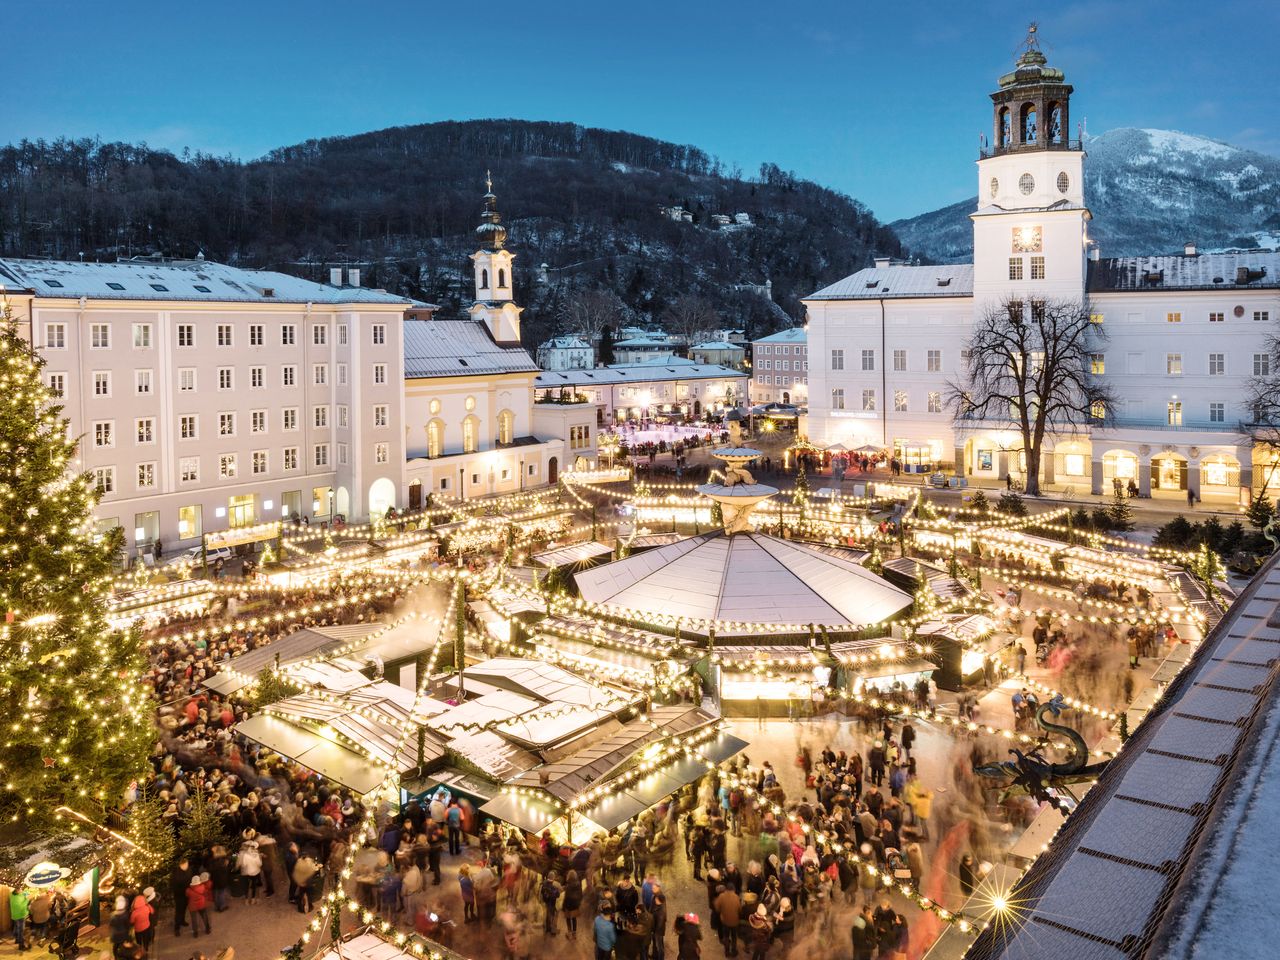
point(458, 348)
point(901, 281)
point(1250, 270)
point(633, 373)
point(794, 335)
point(179, 280)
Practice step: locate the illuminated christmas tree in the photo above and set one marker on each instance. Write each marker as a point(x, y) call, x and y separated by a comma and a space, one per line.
point(76, 718)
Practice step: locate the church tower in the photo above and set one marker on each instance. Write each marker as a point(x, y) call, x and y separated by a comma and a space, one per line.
point(1029, 231)
point(492, 264)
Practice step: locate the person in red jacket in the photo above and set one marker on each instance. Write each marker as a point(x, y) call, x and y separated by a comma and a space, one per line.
point(143, 910)
point(199, 896)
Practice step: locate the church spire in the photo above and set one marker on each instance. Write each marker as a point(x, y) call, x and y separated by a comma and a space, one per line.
point(491, 232)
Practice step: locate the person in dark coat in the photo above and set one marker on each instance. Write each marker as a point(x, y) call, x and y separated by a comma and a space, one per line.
point(689, 938)
point(658, 940)
point(968, 874)
point(179, 880)
point(626, 898)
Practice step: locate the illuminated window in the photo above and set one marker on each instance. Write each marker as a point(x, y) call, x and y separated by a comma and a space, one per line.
point(1073, 464)
point(1097, 363)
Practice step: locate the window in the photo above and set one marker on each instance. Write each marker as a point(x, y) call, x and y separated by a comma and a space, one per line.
point(146, 476)
point(379, 373)
point(188, 426)
point(342, 334)
point(102, 383)
point(1262, 364)
point(343, 416)
point(320, 417)
point(104, 433)
point(320, 374)
point(1098, 410)
point(380, 415)
point(288, 334)
point(189, 469)
point(255, 334)
point(1173, 317)
point(868, 360)
point(900, 401)
point(224, 335)
point(1173, 364)
point(1073, 464)
point(1015, 268)
point(227, 466)
point(899, 361)
point(321, 458)
point(259, 461)
point(1262, 315)
point(319, 334)
point(379, 334)
point(58, 384)
point(1097, 364)
point(226, 424)
point(189, 524)
point(1174, 413)
point(55, 336)
point(1097, 317)
point(786, 364)
point(342, 454)
point(289, 418)
point(381, 452)
point(145, 429)
point(226, 378)
point(469, 435)
point(258, 421)
point(935, 401)
point(837, 359)
point(502, 278)
point(203, 289)
point(100, 336)
point(837, 398)
point(186, 335)
point(579, 437)
point(289, 458)
point(1217, 364)
point(257, 378)
point(288, 375)
point(142, 382)
point(507, 428)
point(104, 478)
point(1217, 412)
point(1217, 317)
point(142, 336)
point(868, 400)
point(342, 374)
point(115, 286)
point(934, 361)
point(1037, 268)
point(767, 365)
point(187, 379)
point(435, 439)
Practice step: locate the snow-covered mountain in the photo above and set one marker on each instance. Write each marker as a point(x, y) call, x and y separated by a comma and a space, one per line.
point(1150, 191)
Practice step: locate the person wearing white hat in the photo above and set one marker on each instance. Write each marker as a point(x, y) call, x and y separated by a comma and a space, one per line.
point(141, 916)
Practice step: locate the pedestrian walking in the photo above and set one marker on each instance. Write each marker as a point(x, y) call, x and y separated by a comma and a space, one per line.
point(19, 911)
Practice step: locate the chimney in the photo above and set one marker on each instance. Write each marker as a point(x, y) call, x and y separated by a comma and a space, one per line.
point(335, 276)
point(1189, 249)
point(353, 277)
point(881, 262)
point(1095, 253)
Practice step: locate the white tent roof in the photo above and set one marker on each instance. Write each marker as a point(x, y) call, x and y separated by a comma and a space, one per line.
point(747, 577)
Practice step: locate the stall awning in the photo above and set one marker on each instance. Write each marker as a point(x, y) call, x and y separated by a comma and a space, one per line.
point(895, 668)
point(1167, 671)
point(455, 781)
point(326, 758)
point(528, 812)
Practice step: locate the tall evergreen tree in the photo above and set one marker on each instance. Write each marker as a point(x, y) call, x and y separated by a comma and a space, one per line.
point(606, 345)
point(76, 718)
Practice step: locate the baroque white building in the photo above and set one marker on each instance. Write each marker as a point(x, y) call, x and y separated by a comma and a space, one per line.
point(1183, 333)
point(566, 352)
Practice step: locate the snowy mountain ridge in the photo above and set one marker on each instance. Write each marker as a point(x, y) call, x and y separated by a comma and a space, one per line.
point(1150, 191)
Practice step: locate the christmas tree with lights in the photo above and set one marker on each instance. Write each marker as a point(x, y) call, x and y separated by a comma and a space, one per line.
point(75, 718)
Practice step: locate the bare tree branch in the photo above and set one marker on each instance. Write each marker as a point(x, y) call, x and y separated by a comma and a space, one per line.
point(588, 312)
point(691, 318)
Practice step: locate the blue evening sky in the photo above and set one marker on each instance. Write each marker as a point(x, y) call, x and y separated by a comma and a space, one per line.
point(882, 100)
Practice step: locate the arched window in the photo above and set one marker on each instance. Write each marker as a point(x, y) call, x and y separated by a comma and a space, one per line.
point(1006, 128)
point(469, 433)
point(506, 427)
point(1030, 128)
point(484, 279)
point(502, 278)
point(1055, 123)
point(435, 439)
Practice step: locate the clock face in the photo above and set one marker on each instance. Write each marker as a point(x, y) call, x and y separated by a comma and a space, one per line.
point(1026, 183)
point(1027, 239)
point(995, 186)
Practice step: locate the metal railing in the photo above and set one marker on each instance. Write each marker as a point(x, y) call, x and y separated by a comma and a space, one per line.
point(986, 153)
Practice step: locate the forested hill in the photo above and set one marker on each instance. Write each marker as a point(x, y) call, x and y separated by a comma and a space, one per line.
point(402, 202)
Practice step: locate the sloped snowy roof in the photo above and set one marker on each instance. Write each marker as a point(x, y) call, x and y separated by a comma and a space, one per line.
point(1205, 271)
point(901, 281)
point(646, 342)
point(794, 335)
point(179, 280)
point(1148, 864)
point(633, 373)
point(458, 348)
point(747, 577)
point(566, 343)
point(716, 345)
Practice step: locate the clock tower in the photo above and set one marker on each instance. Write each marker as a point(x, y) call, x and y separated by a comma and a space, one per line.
point(1029, 231)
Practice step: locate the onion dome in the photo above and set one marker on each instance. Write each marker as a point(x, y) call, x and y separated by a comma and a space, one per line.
point(491, 233)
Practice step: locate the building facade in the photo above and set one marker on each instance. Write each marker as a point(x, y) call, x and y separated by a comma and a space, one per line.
point(566, 353)
point(671, 387)
point(1182, 334)
point(780, 368)
point(210, 398)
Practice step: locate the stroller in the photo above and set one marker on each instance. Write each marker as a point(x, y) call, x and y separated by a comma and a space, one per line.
point(65, 943)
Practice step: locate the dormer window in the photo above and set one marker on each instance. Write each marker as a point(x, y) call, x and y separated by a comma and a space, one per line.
point(202, 288)
point(160, 287)
point(53, 283)
point(116, 286)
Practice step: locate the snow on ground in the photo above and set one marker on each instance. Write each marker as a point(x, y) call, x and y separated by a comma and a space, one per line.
point(1186, 143)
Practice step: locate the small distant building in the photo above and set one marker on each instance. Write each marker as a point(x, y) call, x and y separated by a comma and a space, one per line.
point(720, 352)
point(742, 219)
point(566, 353)
point(780, 368)
point(671, 386)
point(646, 346)
point(721, 219)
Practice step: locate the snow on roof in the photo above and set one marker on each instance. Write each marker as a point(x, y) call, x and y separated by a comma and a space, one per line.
point(747, 577)
point(180, 280)
point(901, 281)
point(1162, 854)
point(544, 681)
point(458, 348)
point(663, 343)
point(565, 343)
point(666, 360)
point(716, 345)
point(794, 335)
point(633, 373)
point(1259, 269)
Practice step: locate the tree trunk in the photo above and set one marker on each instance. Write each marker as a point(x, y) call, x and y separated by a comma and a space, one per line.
point(1033, 469)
